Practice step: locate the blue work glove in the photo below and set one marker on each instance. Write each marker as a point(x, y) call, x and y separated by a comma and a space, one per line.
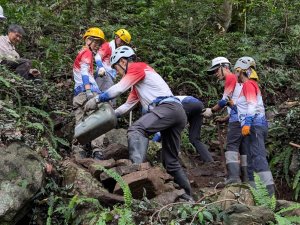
point(156, 137)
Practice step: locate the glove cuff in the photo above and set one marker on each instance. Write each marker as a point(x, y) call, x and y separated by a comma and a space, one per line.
point(222, 103)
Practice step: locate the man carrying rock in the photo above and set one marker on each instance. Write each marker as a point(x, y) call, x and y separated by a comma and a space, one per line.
point(163, 112)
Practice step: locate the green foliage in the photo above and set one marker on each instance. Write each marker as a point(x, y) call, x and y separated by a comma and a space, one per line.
point(285, 220)
point(125, 188)
point(261, 195)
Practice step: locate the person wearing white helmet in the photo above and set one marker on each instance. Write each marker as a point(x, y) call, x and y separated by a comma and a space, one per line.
point(252, 62)
point(220, 67)
point(254, 124)
point(105, 74)
point(163, 112)
point(2, 17)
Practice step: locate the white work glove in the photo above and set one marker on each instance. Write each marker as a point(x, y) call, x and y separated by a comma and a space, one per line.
point(91, 104)
point(207, 113)
point(101, 72)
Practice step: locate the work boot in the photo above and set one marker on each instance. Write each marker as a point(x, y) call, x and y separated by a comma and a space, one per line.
point(204, 153)
point(186, 198)
point(244, 168)
point(137, 146)
point(181, 179)
point(233, 173)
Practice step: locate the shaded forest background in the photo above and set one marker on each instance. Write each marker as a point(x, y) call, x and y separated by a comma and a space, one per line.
point(178, 38)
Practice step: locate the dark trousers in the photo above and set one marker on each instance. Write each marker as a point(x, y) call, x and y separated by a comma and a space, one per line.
point(193, 111)
point(170, 119)
point(257, 155)
point(20, 66)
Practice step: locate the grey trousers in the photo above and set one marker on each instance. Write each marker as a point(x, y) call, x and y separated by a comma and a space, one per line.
point(170, 119)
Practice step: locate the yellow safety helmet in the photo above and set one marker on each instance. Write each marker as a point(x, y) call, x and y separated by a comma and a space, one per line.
point(94, 32)
point(124, 35)
point(253, 75)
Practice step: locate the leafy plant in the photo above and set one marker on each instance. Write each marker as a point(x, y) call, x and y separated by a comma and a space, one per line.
point(261, 195)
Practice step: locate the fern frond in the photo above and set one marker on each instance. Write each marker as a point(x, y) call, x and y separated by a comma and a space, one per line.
point(281, 220)
point(41, 113)
point(35, 126)
point(5, 82)
point(296, 180)
point(61, 141)
point(12, 112)
point(52, 201)
point(290, 208)
point(297, 191)
point(123, 185)
point(286, 165)
point(261, 195)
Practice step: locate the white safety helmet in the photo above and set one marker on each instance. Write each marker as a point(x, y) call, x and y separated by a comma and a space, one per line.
point(250, 60)
point(1, 13)
point(121, 52)
point(242, 63)
point(216, 63)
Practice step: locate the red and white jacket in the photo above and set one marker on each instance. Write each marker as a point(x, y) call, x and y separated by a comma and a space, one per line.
point(103, 55)
point(250, 104)
point(146, 84)
point(83, 71)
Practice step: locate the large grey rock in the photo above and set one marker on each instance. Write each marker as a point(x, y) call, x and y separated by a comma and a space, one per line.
point(155, 181)
point(117, 136)
point(84, 184)
point(235, 193)
point(21, 177)
point(238, 214)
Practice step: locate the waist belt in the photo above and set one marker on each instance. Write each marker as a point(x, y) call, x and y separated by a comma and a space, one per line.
point(258, 120)
point(163, 99)
point(81, 88)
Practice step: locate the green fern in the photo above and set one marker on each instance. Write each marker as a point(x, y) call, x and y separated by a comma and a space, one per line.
point(123, 185)
point(283, 220)
point(296, 180)
point(36, 126)
point(12, 112)
point(41, 113)
point(4, 81)
point(52, 201)
point(261, 195)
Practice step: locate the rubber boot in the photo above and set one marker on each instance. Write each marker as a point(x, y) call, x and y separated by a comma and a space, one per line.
point(271, 189)
point(244, 168)
point(252, 183)
point(244, 173)
point(181, 179)
point(137, 146)
point(233, 173)
point(203, 152)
